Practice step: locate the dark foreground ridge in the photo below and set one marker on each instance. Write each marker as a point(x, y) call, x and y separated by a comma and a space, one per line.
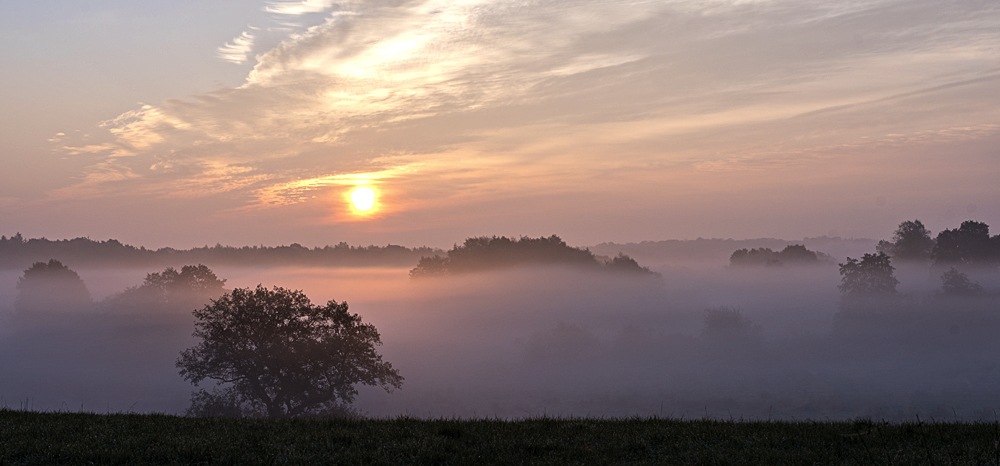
point(71, 438)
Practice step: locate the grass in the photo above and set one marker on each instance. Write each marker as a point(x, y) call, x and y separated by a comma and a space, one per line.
point(80, 438)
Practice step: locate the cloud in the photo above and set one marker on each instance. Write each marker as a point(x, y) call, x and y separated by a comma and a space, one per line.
point(477, 99)
point(237, 50)
point(299, 8)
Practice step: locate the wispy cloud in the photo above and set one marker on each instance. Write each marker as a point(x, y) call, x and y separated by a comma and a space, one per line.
point(557, 94)
point(238, 50)
point(299, 8)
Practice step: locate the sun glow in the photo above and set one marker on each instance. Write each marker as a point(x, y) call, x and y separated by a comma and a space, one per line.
point(363, 199)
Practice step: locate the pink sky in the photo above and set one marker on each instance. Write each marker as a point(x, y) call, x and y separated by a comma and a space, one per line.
point(595, 120)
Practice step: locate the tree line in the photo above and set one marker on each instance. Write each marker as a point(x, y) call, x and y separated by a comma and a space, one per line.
point(16, 252)
point(793, 254)
point(870, 282)
point(497, 252)
point(968, 245)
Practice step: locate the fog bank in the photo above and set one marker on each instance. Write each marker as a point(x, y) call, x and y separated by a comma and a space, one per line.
point(551, 341)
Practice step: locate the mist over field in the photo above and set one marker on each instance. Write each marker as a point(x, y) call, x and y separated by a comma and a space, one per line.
point(165, 166)
point(556, 341)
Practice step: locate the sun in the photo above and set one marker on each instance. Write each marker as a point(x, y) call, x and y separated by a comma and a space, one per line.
point(363, 199)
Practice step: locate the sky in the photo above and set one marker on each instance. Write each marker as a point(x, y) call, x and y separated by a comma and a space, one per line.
point(183, 123)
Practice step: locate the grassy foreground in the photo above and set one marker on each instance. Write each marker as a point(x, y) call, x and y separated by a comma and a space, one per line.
point(70, 438)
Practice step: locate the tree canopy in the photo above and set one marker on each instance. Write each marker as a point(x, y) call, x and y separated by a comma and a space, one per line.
point(50, 287)
point(485, 253)
point(955, 283)
point(910, 242)
point(18, 252)
point(872, 276)
point(193, 286)
point(969, 244)
point(795, 254)
point(284, 355)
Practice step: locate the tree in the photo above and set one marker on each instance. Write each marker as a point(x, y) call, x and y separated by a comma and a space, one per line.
point(625, 264)
point(193, 286)
point(969, 244)
point(197, 279)
point(871, 277)
point(955, 283)
point(281, 352)
point(50, 287)
point(911, 242)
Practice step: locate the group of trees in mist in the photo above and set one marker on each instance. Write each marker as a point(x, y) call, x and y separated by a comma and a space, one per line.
point(17, 252)
point(969, 245)
point(793, 254)
point(489, 253)
point(872, 279)
point(270, 353)
point(53, 288)
point(190, 287)
point(870, 283)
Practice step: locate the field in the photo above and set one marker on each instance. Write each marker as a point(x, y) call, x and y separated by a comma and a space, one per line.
point(81, 438)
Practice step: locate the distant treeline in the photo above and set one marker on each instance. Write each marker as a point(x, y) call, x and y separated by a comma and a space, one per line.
point(719, 251)
point(793, 254)
point(486, 253)
point(18, 253)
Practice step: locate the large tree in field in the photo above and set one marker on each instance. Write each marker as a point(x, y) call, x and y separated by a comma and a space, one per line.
point(871, 277)
point(283, 354)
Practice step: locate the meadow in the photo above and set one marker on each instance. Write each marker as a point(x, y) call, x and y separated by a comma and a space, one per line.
point(86, 438)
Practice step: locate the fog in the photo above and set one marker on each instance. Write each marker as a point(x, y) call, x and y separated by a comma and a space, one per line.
point(558, 342)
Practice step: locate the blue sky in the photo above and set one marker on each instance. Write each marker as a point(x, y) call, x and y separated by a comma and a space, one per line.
point(245, 122)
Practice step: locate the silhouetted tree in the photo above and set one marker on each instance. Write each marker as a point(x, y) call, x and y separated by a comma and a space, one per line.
point(192, 287)
point(955, 283)
point(433, 266)
point(50, 287)
point(869, 279)
point(911, 242)
point(284, 354)
point(626, 264)
point(797, 254)
point(197, 279)
point(970, 244)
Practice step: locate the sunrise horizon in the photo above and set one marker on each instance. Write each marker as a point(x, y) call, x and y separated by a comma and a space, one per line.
point(621, 122)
